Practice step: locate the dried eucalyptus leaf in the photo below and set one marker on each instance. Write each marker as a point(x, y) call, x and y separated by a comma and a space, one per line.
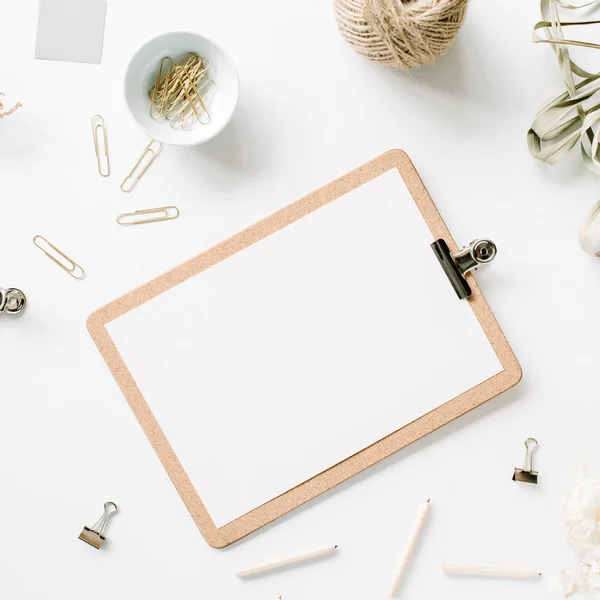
point(574, 116)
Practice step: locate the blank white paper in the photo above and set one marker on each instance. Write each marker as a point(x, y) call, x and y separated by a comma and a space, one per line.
point(303, 349)
point(71, 30)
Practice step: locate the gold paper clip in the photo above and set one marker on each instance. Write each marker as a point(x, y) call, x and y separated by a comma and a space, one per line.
point(159, 91)
point(183, 116)
point(61, 259)
point(527, 474)
point(163, 213)
point(94, 536)
point(168, 81)
point(144, 161)
point(177, 94)
point(101, 149)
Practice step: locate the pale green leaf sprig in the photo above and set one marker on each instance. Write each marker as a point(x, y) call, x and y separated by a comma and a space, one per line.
point(573, 117)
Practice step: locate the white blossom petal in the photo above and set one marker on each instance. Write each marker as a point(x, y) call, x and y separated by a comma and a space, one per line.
point(581, 512)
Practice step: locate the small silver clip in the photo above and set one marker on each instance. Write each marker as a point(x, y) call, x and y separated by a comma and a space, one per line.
point(456, 266)
point(527, 474)
point(94, 536)
point(12, 301)
point(478, 252)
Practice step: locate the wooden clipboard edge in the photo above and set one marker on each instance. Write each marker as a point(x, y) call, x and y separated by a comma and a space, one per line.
point(268, 512)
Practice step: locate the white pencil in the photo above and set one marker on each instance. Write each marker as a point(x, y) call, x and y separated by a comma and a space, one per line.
point(287, 562)
point(411, 544)
point(495, 572)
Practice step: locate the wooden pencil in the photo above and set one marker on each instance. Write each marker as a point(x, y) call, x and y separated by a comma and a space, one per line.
point(493, 572)
point(287, 562)
point(411, 545)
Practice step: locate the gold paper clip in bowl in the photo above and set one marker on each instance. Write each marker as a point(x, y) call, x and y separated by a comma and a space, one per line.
point(159, 92)
point(147, 157)
point(61, 259)
point(101, 145)
point(148, 215)
point(94, 536)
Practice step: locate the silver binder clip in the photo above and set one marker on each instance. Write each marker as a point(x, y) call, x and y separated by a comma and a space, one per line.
point(456, 266)
point(94, 536)
point(527, 474)
point(12, 301)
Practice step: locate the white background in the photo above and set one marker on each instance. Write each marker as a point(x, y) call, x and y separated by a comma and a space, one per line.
point(310, 109)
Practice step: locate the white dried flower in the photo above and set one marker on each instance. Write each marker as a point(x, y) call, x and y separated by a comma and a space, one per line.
point(581, 512)
point(572, 581)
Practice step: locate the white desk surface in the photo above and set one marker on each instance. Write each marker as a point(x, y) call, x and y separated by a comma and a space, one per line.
point(310, 109)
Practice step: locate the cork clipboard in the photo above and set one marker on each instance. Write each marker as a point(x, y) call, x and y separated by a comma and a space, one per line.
point(101, 325)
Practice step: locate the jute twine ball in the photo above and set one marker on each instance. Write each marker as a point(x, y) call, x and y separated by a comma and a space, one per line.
point(401, 33)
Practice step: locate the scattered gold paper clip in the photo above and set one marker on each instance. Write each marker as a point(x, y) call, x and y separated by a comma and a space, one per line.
point(163, 213)
point(144, 161)
point(101, 148)
point(61, 259)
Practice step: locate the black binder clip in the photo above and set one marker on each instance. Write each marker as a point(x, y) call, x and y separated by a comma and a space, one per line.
point(478, 252)
point(527, 474)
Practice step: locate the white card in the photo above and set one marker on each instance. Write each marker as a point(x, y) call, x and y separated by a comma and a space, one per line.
point(71, 30)
point(304, 348)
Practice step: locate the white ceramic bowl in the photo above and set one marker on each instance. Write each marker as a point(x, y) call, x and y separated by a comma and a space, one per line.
point(141, 74)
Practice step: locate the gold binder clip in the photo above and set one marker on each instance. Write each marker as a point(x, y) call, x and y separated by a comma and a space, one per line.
point(99, 131)
point(61, 259)
point(144, 161)
point(162, 213)
point(94, 536)
point(527, 474)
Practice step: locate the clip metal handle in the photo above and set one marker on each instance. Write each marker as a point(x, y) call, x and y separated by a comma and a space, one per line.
point(456, 266)
point(478, 252)
point(12, 301)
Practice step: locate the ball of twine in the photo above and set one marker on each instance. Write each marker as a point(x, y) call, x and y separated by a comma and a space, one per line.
point(401, 33)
